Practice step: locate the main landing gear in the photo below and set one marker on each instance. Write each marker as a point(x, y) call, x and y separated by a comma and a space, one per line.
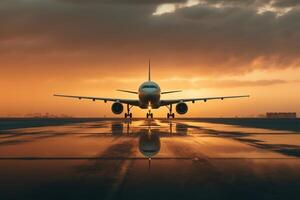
point(128, 114)
point(170, 114)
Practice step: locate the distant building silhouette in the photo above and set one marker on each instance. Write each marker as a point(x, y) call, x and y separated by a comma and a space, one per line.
point(281, 115)
point(46, 115)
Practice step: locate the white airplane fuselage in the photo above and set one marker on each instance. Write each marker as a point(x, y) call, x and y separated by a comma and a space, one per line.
point(149, 95)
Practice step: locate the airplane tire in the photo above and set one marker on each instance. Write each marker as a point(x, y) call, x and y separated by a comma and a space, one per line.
point(173, 115)
point(130, 115)
point(147, 115)
point(125, 115)
point(168, 115)
point(151, 115)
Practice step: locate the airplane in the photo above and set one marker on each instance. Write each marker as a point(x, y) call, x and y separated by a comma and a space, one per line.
point(149, 97)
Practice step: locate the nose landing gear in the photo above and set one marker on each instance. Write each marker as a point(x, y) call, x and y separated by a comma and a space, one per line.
point(149, 114)
point(128, 114)
point(170, 114)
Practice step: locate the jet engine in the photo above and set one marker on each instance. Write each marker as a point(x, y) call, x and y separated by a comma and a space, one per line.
point(117, 108)
point(181, 108)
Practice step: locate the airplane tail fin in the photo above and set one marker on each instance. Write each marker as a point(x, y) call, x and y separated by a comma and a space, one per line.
point(149, 71)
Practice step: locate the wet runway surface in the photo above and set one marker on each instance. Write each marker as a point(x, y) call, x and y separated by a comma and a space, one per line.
point(149, 159)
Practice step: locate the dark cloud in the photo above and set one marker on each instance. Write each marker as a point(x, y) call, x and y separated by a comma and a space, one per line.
point(285, 3)
point(204, 38)
point(123, 1)
point(256, 3)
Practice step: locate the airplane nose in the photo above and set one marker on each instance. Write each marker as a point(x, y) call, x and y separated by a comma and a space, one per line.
point(150, 91)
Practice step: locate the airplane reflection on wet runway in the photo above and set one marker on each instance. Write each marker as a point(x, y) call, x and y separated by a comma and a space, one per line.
point(149, 139)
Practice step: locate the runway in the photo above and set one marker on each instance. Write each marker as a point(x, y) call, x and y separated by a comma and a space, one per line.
point(148, 159)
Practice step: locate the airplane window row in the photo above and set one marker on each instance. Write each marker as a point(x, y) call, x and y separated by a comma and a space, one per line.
point(149, 86)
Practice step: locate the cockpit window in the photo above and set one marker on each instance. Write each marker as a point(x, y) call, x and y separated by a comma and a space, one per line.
point(149, 86)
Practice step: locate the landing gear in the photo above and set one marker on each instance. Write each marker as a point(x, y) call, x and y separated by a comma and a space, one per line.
point(149, 114)
point(128, 114)
point(170, 114)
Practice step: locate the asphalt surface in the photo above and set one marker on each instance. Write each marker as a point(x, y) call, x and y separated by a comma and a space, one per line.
point(149, 159)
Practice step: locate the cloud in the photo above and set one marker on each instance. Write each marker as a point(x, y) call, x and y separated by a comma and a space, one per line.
point(204, 38)
point(285, 3)
point(122, 1)
point(278, 7)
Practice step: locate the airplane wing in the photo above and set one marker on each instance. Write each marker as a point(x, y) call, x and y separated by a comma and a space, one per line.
point(173, 91)
point(125, 101)
point(128, 91)
point(174, 101)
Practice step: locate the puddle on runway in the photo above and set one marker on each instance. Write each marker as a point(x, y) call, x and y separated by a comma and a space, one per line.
point(109, 160)
point(235, 128)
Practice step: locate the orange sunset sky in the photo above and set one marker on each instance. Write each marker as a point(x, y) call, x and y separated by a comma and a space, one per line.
point(204, 47)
